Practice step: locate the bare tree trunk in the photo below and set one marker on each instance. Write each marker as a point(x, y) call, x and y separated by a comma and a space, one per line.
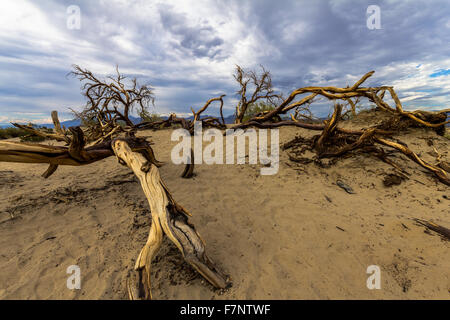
point(167, 218)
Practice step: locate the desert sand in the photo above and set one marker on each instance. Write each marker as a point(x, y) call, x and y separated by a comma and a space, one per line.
point(293, 235)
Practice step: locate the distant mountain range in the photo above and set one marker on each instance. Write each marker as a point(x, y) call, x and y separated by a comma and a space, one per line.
point(75, 122)
point(135, 120)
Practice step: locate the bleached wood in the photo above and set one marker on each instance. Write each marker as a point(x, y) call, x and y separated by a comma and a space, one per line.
point(167, 218)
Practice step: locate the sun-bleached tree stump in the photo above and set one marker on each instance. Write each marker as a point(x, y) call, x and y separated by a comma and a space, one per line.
point(167, 218)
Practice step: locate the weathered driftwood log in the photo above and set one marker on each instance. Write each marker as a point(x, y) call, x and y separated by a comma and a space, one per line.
point(11, 151)
point(167, 218)
point(443, 231)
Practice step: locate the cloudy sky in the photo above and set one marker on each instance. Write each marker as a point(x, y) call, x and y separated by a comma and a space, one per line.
point(187, 50)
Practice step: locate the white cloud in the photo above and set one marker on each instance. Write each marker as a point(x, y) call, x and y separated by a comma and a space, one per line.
point(188, 49)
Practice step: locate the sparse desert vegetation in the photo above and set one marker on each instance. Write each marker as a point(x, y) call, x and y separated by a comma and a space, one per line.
point(12, 132)
point(24, 135)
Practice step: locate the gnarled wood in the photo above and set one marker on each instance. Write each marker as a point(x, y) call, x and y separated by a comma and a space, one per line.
point(443, 231)
point(110, 102)
point(59, 130)
point(167, 218)
point(11, 151)
point(439, 173)
point(262, 90)
point(41, 133)
point(50, 170)
point(329, 129)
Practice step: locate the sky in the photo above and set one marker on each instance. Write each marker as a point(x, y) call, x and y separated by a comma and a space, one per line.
point(187, 50)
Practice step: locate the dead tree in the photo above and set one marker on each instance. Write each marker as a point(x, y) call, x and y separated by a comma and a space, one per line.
point(300, 101)
point(335, 141)
point(111, 102)
point(107, 104)
point(168, 217)
point(253, 88)
point(188, 125)
point(435, 120)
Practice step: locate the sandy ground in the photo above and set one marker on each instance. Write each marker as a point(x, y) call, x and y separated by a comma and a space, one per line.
point(294, 235)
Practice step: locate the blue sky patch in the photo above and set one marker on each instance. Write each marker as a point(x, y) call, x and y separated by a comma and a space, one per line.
point(439, 73)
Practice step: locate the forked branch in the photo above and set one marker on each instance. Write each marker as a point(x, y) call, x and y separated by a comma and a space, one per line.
point(167, 218)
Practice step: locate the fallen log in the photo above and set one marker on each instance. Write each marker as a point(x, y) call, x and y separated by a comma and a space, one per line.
point(11, 151)
point(444, 232)
point(167, 218)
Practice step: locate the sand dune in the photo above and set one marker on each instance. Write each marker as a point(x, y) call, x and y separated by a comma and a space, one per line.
point(294, 235)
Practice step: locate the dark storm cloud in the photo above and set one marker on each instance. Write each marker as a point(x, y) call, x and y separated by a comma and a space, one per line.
point(336, 39)
point(198, 40)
